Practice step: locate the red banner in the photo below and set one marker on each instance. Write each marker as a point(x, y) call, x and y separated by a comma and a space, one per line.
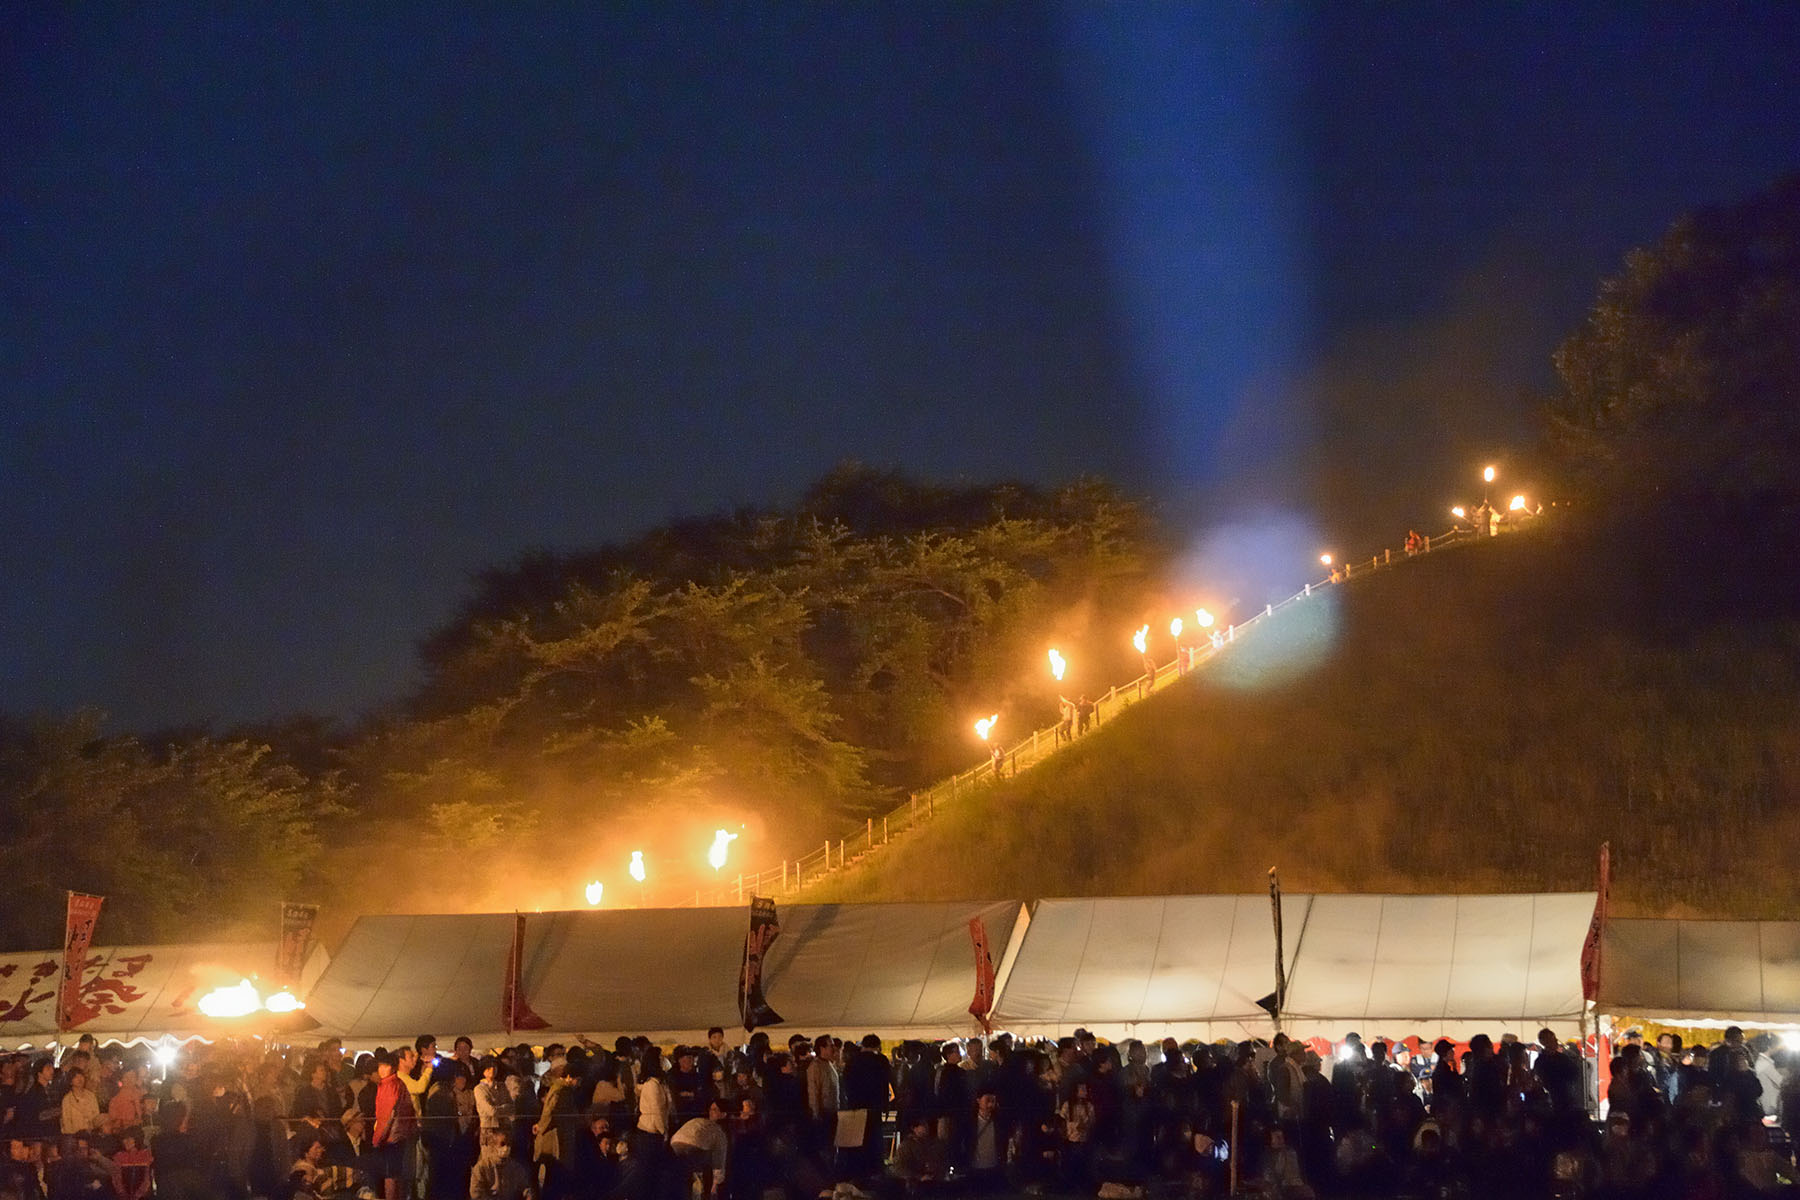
point(514, 1010)
point(1590, 949)
point(78, 935)
point(297, 921)
point(983, 1003)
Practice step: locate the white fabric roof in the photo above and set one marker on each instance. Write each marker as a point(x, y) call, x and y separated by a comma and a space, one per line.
point(1196, 965)
point(1449, 965)
point(1748, 970)
point(143, 992)
point(883, 968)
point(1160, 963)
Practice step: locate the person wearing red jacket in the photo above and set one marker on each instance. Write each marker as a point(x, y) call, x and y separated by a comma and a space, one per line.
point(396, 1124)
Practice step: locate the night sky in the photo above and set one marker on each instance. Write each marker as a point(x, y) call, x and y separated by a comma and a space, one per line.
point(312, 312)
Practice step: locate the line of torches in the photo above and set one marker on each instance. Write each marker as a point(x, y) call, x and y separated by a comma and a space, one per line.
point(984, 727)
point(716, 855)
point(1140, 640)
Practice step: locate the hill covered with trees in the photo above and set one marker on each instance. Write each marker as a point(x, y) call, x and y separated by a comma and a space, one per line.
point(1482, 719)
point(777, 673)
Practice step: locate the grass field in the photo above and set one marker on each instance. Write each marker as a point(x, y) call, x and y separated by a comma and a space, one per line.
point(1480, 720)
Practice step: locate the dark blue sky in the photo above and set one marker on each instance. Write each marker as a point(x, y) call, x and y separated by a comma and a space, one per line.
point(310, 314)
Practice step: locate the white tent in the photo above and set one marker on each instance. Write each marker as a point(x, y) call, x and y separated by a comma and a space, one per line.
point(1702, 972)
point(1196, 965)
point(848, 969)
point(1145, 965)
point(139, 993)
point(1439, 965)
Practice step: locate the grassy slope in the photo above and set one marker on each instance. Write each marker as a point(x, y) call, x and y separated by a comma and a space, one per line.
point(1479, 720)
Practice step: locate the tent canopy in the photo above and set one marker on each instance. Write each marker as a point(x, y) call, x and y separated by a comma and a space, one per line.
point(1129, 966)
point(136, 992)
point(1196, 965)
point(1702, 970)
point(672, 972)
point(1186, 961)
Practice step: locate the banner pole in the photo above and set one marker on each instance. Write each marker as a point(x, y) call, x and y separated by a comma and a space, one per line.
point(1280, 950)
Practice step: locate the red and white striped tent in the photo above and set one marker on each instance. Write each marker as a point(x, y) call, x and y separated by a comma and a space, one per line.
point(135, 993)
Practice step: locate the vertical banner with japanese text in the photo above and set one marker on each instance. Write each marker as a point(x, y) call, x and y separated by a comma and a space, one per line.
point(765, 927)
point(297, 923)
point(78, 935)
point(983, 1003)
point(1590, 949)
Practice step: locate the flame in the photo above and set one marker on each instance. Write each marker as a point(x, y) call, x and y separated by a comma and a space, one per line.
point(1058, 664)
point(637, 865)
point(283, 1001)
point(1518, 504)
point(716, 853)
point(1487, 476)
point(985, 726)
point(1459, 512)
point(1204, 618)
point(595, 892)
point(1141, 639)
point(1326, 559)
point(238, 1000)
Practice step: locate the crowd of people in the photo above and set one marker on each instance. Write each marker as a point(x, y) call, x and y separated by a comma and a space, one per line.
point(808, 1117)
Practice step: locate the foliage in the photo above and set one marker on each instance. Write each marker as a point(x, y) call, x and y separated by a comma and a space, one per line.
point(1476, 721)
point(206, 827)
point(795, 668)
point(1685, 377)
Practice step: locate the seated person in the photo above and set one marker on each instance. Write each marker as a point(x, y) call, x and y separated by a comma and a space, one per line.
point(315, 1179)
point(497, 1174)
point(922, 1160)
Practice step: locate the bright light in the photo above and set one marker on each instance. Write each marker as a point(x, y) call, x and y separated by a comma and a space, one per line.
point(1518, 504)
point(985, 726)
point(239, 1000)
point(283, 1002)
point(1141, 639)
point(1326, 559)
point(1346, 1051)
point(1175, 628)
point(1791, 1038)
point(165, 1056)
point(1203, 618)
point(1459, 512)
point(596, 891)
point(1058, 664)
point(716, 853)
point(637, 865)
point(1487, 476)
